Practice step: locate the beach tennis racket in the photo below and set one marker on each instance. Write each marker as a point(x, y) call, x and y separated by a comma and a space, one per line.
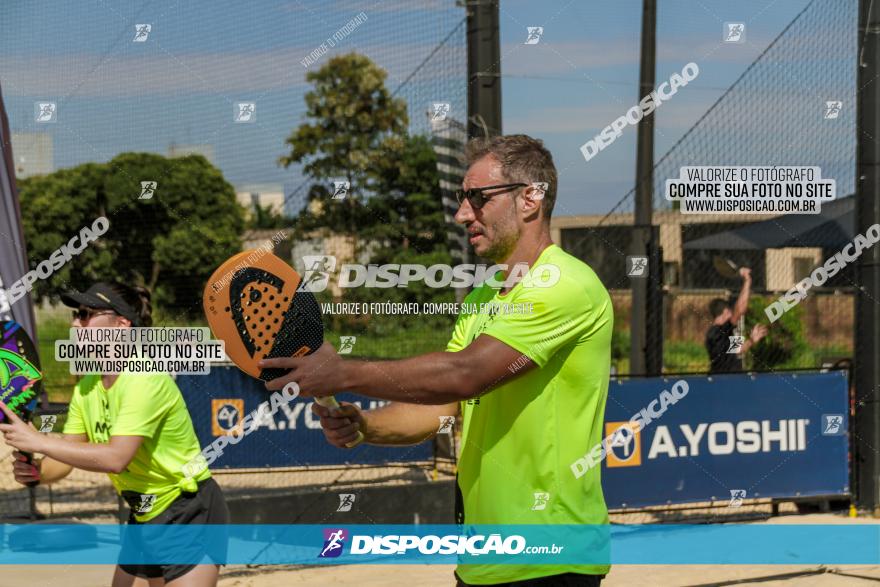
point(260, 311)
point(20, 377)
point(725, 267)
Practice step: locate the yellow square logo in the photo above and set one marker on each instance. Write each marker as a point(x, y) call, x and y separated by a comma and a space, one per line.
point(624, 444)
point(226, 416)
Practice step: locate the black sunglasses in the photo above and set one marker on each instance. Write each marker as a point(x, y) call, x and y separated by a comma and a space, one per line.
point(86, 314)
point(478, 199)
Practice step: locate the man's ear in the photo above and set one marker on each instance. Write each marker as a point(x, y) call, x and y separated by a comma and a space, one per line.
point(123, 322)
point(532, 195)
point(537, 190)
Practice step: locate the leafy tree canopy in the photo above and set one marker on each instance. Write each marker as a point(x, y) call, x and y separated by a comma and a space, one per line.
point(355, 131)
point(170, 242)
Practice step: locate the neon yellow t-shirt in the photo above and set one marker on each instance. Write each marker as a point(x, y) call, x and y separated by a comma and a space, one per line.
point(520, 440)
point(140, 405)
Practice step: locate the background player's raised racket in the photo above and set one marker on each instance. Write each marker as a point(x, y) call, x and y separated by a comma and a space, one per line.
point(260, 312)
point(20, 377)
point(725, 267)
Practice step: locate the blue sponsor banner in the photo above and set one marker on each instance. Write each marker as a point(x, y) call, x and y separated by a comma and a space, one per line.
point(41, 544)
point(731, 437)
point(292, 437)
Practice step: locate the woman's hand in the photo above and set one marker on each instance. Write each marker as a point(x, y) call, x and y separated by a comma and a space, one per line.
point(19, 434)
point(25, 472)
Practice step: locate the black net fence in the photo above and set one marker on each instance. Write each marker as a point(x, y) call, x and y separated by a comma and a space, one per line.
point(172, 119)
point(793, 106)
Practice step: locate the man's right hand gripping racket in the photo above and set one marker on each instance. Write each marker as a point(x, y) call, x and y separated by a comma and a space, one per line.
point(260, 312)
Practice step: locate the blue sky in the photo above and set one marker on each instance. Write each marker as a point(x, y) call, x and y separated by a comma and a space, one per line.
point(180, 86)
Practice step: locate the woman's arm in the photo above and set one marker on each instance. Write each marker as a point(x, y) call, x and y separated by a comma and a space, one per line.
point(43, 470)
point(52, 470)
point(111, 457)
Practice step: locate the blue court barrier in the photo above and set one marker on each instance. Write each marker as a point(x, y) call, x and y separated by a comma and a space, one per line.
point(729, 437)
point(41, 544)
point(219, 401)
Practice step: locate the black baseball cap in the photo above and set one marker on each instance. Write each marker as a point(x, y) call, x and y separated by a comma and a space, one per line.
point(101, 297)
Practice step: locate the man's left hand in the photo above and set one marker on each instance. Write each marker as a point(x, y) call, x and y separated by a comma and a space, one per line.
point(317, 375)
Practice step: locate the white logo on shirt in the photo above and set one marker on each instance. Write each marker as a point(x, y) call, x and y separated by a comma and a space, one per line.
point(146, 505)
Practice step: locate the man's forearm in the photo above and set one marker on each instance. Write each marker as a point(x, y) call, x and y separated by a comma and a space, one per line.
point(403, 424)
point(432, 379)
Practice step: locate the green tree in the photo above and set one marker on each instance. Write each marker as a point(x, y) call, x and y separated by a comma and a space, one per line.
point(406, 209)
point(357, 132)
point(349, 114)
point(55, 208)
point(171, 242)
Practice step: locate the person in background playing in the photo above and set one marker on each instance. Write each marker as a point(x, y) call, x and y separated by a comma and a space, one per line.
point(135, 428)
point(531, 387)
point(724, 355)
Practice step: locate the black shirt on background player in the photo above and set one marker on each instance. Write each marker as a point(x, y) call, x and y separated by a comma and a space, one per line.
point(717, 343)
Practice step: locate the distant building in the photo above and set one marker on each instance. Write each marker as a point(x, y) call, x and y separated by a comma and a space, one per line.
point(605, 246)
point(276, 240)
point(343, 248)
point(269, 195)
point(317, 243)
point(448, 138)
point(33, 153)
point(691, 281)
point(206, 151)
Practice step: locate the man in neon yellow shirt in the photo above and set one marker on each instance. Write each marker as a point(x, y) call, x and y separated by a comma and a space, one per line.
point(527, 367)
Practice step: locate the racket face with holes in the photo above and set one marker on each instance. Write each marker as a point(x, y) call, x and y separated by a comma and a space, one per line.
point(20, 377)
point(725, 267)
point(258, 311)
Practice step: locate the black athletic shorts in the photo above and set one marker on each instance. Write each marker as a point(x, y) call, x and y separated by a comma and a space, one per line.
point(564, 580)
point(207, 506)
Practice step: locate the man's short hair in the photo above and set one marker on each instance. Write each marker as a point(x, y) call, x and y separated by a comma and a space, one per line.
point(523, 160)
point(717, 306)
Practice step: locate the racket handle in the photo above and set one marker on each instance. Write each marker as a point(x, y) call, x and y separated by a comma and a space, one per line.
point(330, 403)
point(29, 459)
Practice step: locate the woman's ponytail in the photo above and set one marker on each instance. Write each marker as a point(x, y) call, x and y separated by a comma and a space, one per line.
point(137, 297)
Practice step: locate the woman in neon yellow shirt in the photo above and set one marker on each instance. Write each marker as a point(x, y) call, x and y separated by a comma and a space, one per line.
point(135, 428)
